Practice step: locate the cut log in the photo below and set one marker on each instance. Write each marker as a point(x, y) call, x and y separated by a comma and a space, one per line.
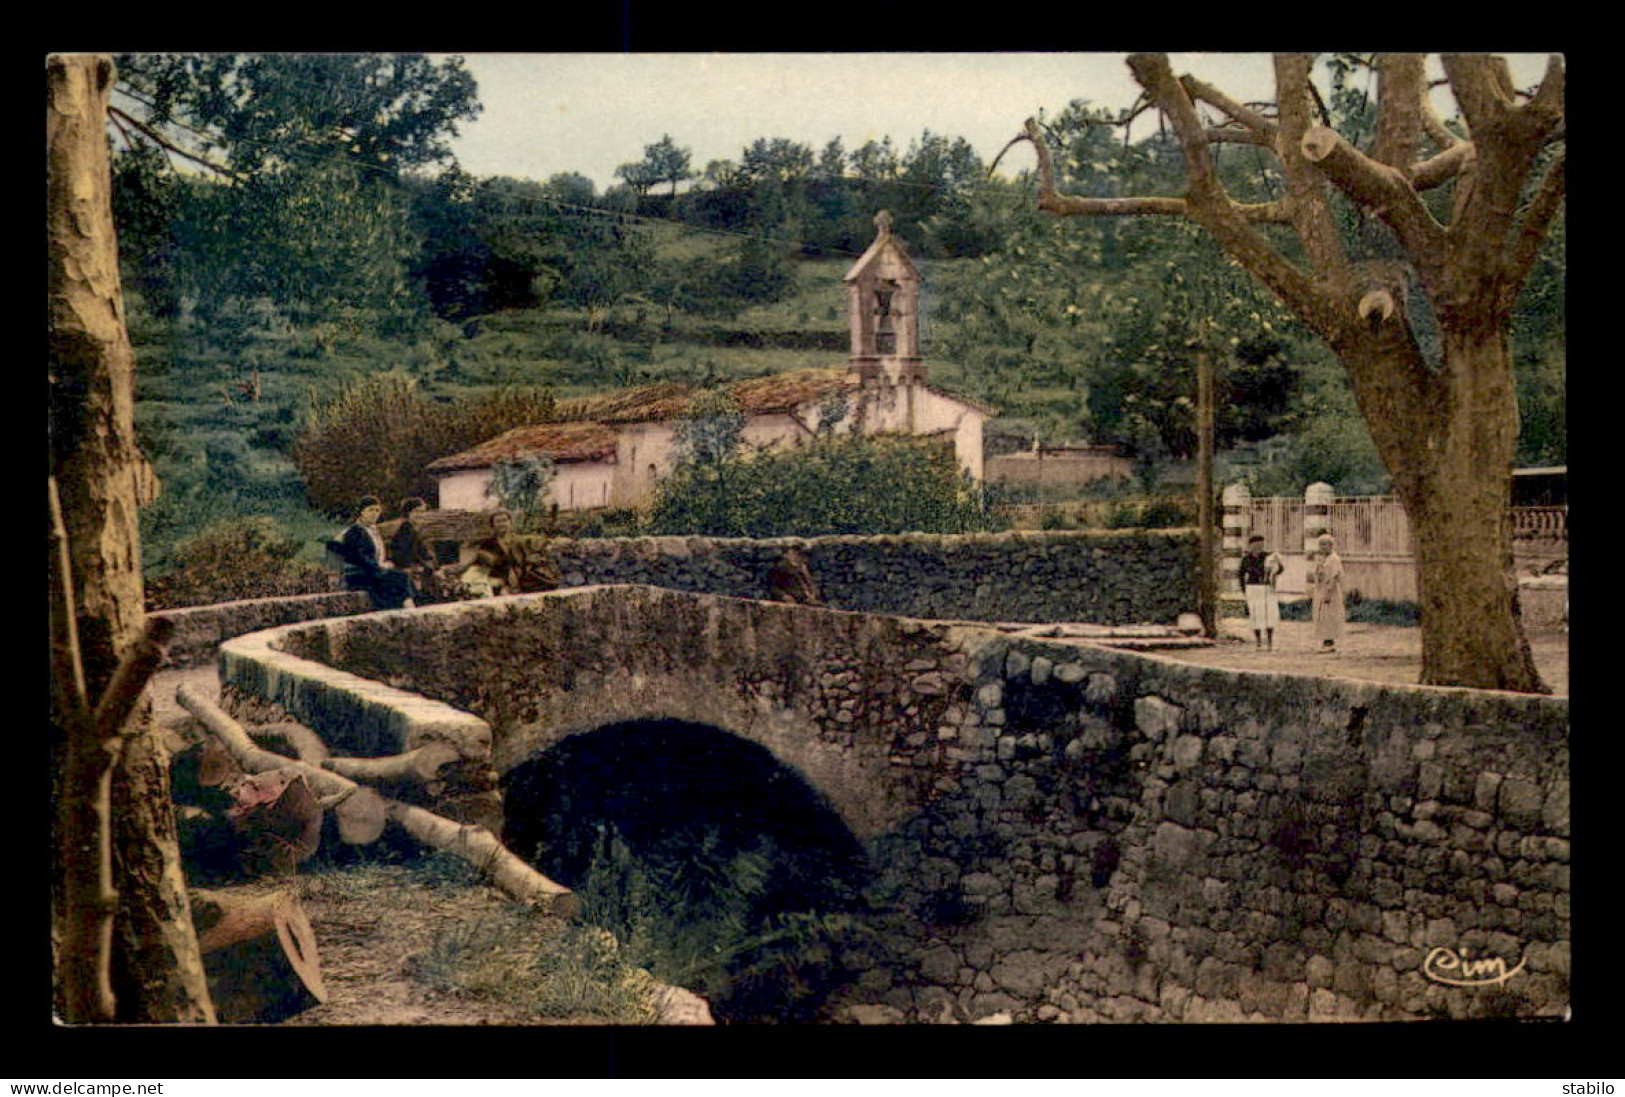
point(474, 844)
point(1378, 303)
point(360, 811)
point(278, 821)
point(417, 766)
point(259, 954)
point(216, 767)
point(480, 848)
point(362, 816)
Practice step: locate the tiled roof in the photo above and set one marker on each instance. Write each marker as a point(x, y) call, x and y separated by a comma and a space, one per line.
point(587, 430)
point(664, 402)
point(622, 405)
point(561, 441)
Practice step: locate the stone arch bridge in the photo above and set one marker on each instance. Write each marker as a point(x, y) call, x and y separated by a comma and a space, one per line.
point(1062, 831)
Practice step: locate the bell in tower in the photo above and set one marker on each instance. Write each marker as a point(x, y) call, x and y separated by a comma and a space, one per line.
point(885, 325)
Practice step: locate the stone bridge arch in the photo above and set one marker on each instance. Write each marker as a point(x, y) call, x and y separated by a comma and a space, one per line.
point(857, 704)
point(1079, 833)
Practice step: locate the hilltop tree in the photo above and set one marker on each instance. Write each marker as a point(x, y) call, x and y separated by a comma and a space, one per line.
point(663, 162)
point(1406, 252)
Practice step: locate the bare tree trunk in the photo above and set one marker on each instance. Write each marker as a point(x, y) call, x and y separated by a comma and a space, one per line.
point(1461, 528)
point(102, 480)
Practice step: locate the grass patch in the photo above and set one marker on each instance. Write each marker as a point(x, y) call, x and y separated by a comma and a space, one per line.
point(1361, 611)
point(522, 958)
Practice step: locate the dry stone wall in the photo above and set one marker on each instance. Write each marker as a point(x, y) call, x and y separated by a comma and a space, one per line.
point(1136, 839)
point(199, 630)
point(1061, 831)
point(1109, 578)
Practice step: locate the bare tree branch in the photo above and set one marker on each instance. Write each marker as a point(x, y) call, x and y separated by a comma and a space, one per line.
point(1483, 89)
point(1070, 205)
point(1066, 205)
point(1400, 78)
point(165, 143)
point(1440, 169)
point(1537, 221)
point(1231, 135)
point(1305, 188)
point(1383, 189)
point(1548, 98)
point(1157, 78)
point(1243, 115)
point(1436, 130)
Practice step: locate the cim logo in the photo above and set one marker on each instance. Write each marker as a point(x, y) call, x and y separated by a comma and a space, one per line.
point(1453, 969)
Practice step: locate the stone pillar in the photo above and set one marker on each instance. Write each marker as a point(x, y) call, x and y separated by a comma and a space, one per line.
point(1236, 500)
point(1317, 507)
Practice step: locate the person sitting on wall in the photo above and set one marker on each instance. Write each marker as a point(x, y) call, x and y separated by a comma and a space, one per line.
point(365, 564)
point(1258, 572)
point(791, 580)
point(508, 563)
point(409, 552)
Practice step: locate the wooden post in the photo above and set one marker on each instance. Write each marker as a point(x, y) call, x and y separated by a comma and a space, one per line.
point(1207, 585)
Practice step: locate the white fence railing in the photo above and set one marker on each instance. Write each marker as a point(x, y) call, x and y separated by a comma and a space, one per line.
point(1366, 525)
point(1376, 525)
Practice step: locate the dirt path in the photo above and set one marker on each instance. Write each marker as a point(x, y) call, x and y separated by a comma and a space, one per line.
point(1373, 653)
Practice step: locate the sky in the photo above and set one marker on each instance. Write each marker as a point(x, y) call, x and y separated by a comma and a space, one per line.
point(589, 113)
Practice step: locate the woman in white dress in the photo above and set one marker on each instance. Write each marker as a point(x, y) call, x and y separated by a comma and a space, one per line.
point(1328, 612)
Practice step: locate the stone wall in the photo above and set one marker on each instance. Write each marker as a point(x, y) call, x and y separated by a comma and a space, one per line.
point(199, 630)
point(1146, 840)
point(1108, 578)
point(1062, 832)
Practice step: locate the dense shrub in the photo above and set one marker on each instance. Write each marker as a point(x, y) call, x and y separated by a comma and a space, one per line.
point(379, 434)
point(831, 486)
point(1158, 513)
point(236, 559)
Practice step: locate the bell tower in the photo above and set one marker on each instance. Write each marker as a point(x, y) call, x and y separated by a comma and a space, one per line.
point(883, 307)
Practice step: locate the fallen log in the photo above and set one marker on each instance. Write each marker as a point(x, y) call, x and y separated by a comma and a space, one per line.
point(259, 954)
point(254, 759)
point(470, 842)
point(418, 766)
point(360, 811)
point(480, 848)
point(306, 745)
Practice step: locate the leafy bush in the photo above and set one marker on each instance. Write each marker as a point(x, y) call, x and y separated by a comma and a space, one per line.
point(236, 559)
point(833, 485)
point(379, 434)
point(520, 487)
point(699, 912)
point(1361, 611)
point(1157, 513)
